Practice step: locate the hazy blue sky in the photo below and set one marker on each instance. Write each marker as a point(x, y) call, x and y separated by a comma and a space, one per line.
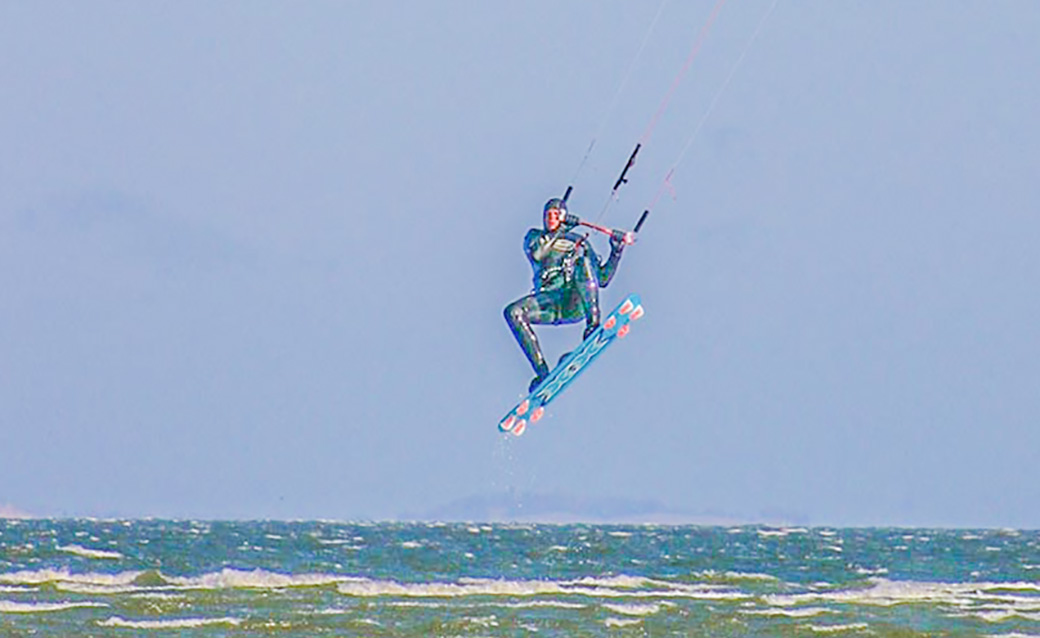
point(254, 256)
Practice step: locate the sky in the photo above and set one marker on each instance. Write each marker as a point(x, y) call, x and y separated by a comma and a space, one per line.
point(254, 256)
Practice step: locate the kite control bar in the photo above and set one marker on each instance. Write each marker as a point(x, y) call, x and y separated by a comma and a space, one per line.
point(629, 236)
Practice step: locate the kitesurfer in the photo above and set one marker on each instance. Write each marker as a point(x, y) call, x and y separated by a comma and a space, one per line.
point(567, 278)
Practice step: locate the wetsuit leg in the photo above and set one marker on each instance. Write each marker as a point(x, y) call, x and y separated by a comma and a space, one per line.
point(588, 289)
point(537, 308)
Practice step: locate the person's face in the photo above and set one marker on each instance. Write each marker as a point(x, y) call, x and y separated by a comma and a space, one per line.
point(553, 219)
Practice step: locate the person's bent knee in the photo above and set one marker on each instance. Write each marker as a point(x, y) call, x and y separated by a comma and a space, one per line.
point(514, 313)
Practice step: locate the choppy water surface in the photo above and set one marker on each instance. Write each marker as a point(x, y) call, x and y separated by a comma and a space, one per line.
point(187, 578)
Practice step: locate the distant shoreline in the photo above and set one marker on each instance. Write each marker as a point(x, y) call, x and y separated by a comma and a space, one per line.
point(9, 511)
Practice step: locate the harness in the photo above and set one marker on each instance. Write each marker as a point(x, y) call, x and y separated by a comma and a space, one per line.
point(557, 270)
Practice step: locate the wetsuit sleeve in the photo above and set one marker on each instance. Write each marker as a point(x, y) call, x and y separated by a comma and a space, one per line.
point(605, 272)
point(534, 248)
point(531, 244)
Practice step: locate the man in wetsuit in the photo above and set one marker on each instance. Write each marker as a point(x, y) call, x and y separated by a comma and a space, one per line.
point(567, 278)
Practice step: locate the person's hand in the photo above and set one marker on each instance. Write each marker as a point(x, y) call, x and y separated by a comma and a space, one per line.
point(619, 239)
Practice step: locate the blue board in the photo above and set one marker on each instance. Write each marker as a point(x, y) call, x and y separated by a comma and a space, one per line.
point(614, 327)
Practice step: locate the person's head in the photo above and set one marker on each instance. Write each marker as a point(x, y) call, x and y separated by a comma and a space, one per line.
point(553, 214)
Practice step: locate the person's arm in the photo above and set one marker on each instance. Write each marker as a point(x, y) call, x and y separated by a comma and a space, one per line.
point(540, 247)
point(606, 271)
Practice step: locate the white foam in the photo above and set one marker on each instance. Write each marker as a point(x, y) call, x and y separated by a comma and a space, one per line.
point(12, 607)
point(1000, 615)
point(634, 609)
point(63, 576)
point(833, 629)
point(157, 595)
point(621, 580)
point(179, 623)
point(883, 592)
point(375, 588)
point(89, 588)
point(621, 622)
point(89, 553)
point(800, 612)
point(256, 579)
point(863, 571)
point(1023, 585)
point(531, 604)
point(611, 587)
point(123, 582)
point(710, 574)
point(483, 621)
point(14, 590)
point(553, 604)
point(349, 545)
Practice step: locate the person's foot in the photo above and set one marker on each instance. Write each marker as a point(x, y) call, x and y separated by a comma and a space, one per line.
point(589, 329)
point(535, 381)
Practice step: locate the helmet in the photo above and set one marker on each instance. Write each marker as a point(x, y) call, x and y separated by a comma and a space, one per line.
point(553, 221)
point(557, 203)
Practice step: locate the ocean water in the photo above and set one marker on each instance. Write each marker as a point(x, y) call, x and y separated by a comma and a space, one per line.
point(199, 578)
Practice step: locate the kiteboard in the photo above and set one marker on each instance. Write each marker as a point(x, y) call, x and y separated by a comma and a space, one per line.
point(532, 407)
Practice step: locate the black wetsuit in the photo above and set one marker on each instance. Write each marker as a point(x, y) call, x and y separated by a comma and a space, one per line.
point(567, 278)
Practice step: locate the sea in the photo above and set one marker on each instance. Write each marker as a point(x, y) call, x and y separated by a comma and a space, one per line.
point(158, 578)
